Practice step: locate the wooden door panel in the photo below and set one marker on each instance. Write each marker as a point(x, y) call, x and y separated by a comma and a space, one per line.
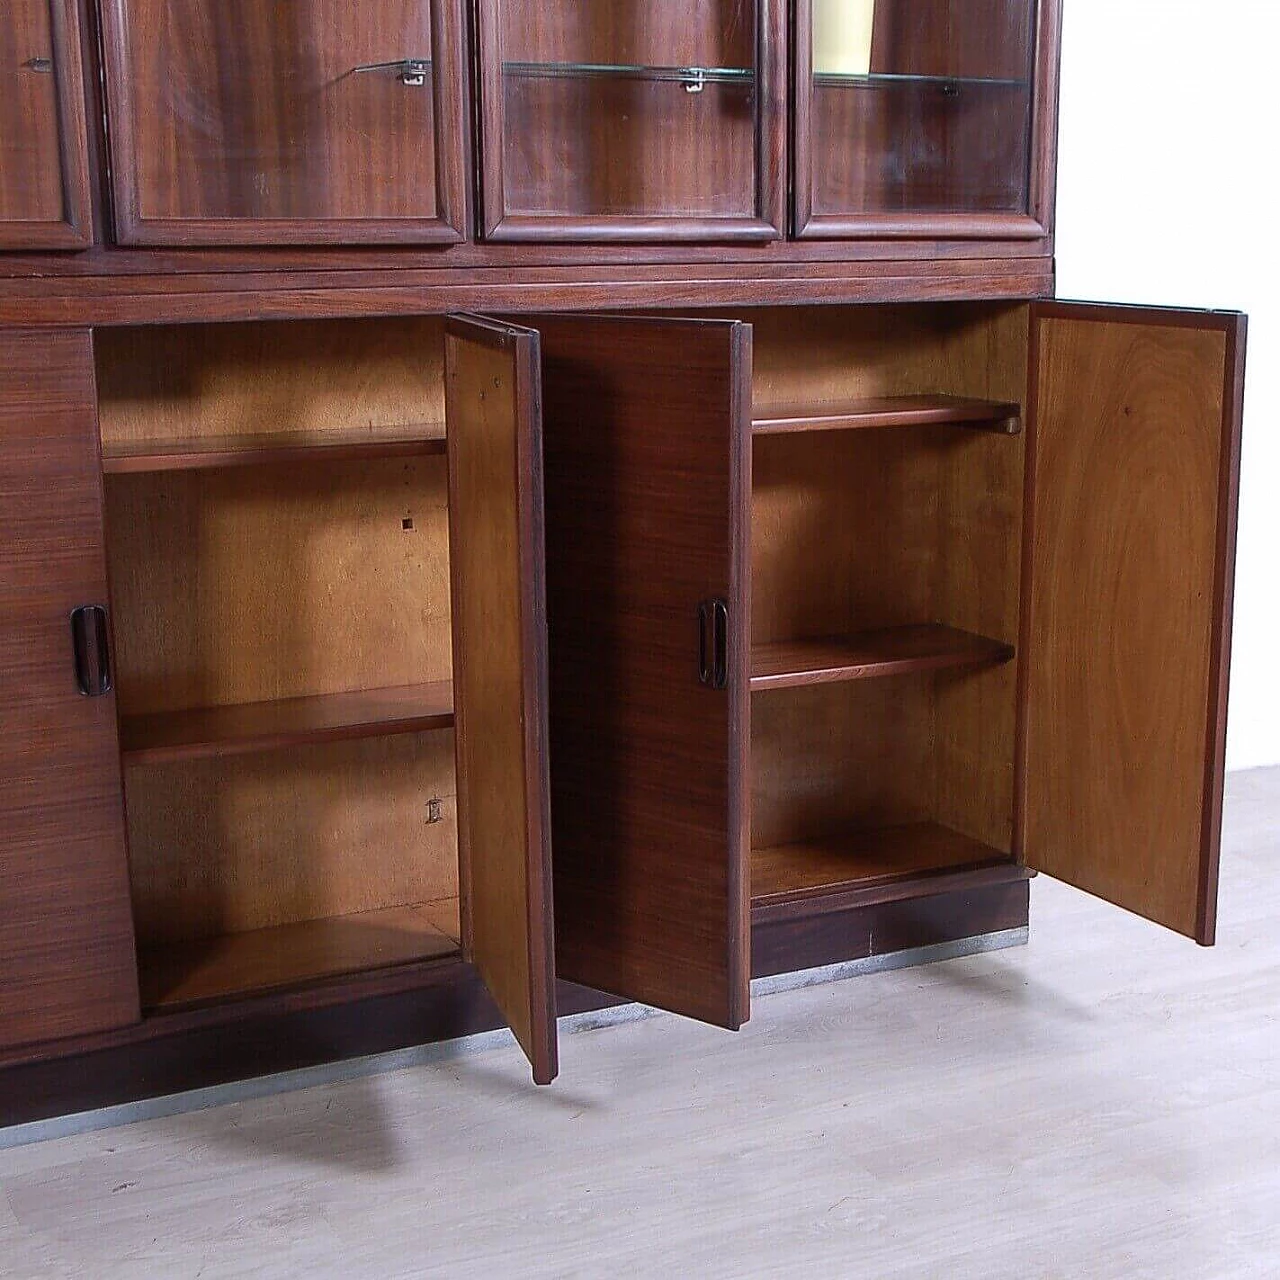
point(647, 440)
point(500, 673)
point(44, 175)
point(302, 121)
point(67, 960)
point(1133, 447)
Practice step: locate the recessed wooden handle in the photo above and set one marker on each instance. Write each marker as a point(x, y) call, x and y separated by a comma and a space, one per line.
point(92, 651)
point(713, 643)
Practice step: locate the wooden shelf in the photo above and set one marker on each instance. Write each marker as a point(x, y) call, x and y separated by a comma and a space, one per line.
point(239, 964)
point(265, 726)
point(892, 651)
point(997, 416)
point(863, 860)
point(208, 452)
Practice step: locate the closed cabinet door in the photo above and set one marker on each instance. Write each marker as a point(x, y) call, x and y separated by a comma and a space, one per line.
point(1133, 453)
point(632, 119)
point(68, 965)
point(44, 180)
point(926, 119)
point(299, 121)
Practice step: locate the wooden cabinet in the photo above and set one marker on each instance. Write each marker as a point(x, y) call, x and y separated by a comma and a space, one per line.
point(304, 122)
point(44, 167)
point(67, 963)
point(459, 672)
point(622, 121)
point(925, 118)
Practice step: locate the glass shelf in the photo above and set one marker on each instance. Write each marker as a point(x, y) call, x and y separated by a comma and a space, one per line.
point(691, 78)
point(886, 79)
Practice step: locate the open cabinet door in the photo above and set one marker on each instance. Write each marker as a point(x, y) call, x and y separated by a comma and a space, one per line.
point(500, 673)
point(1133, 470)
point(648, 485)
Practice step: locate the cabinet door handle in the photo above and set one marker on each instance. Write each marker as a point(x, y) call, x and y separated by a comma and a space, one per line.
point(92, 650)
point(713, 644)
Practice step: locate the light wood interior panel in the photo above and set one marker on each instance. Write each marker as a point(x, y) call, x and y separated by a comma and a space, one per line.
point(1133, 440)
point(275, 582)
point(880, 528)
point(248, 842)
point(301, 378)
point(500, 685)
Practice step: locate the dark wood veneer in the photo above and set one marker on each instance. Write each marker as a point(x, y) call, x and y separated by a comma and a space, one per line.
point(888, 411)
point(66, 929)
point(647, 483)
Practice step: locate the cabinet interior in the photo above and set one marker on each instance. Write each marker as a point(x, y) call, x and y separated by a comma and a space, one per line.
point(886, 554)
point(277, 533)
point(277, 523)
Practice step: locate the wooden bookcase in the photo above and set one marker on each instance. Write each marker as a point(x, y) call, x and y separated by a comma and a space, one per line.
point(616, 513)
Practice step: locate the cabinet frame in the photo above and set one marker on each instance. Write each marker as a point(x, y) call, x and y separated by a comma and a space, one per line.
point(1042, 178)
point(75, 230)
point(450, 116)
point(769, 222)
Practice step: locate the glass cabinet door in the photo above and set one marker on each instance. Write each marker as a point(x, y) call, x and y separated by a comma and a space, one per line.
point(916, 118)
point(632, 119)
point(44, 180)
point(294, 121)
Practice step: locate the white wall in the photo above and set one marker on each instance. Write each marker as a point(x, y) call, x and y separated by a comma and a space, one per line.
point(1167, 193)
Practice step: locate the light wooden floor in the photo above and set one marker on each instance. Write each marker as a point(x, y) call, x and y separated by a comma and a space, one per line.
point(1103, 1103)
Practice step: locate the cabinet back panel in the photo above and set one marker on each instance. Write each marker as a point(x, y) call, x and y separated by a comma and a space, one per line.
point(246, 842)
point(195, 381)
point(888, 527)
point(833, 758)
point(275, 582)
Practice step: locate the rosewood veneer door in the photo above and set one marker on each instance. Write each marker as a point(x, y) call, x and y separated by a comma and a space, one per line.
point(648, 481)
point(295, 121)
point(500, 672)
point(632, 120)
point(67, 960)
point(44, 168)
point(1133, 457)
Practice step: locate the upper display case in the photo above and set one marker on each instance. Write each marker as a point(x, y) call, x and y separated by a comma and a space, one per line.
point(919, 118)
point(44, 178)
point(299, 121)
point(632, 119)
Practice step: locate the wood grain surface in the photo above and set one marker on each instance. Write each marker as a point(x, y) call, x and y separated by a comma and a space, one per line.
point(864, 655)
point(599, 158)
point(66, 936)
point(860, 859)
point(165, 385)
point(264, 726)
point(231, 844)
point(888, 411)
point(863, 530)
point(207, 970)
point(44, 163)
point(233, 122)
point(1134, 444)
point(500, 673)
point(648, 479)
point(257, 584)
